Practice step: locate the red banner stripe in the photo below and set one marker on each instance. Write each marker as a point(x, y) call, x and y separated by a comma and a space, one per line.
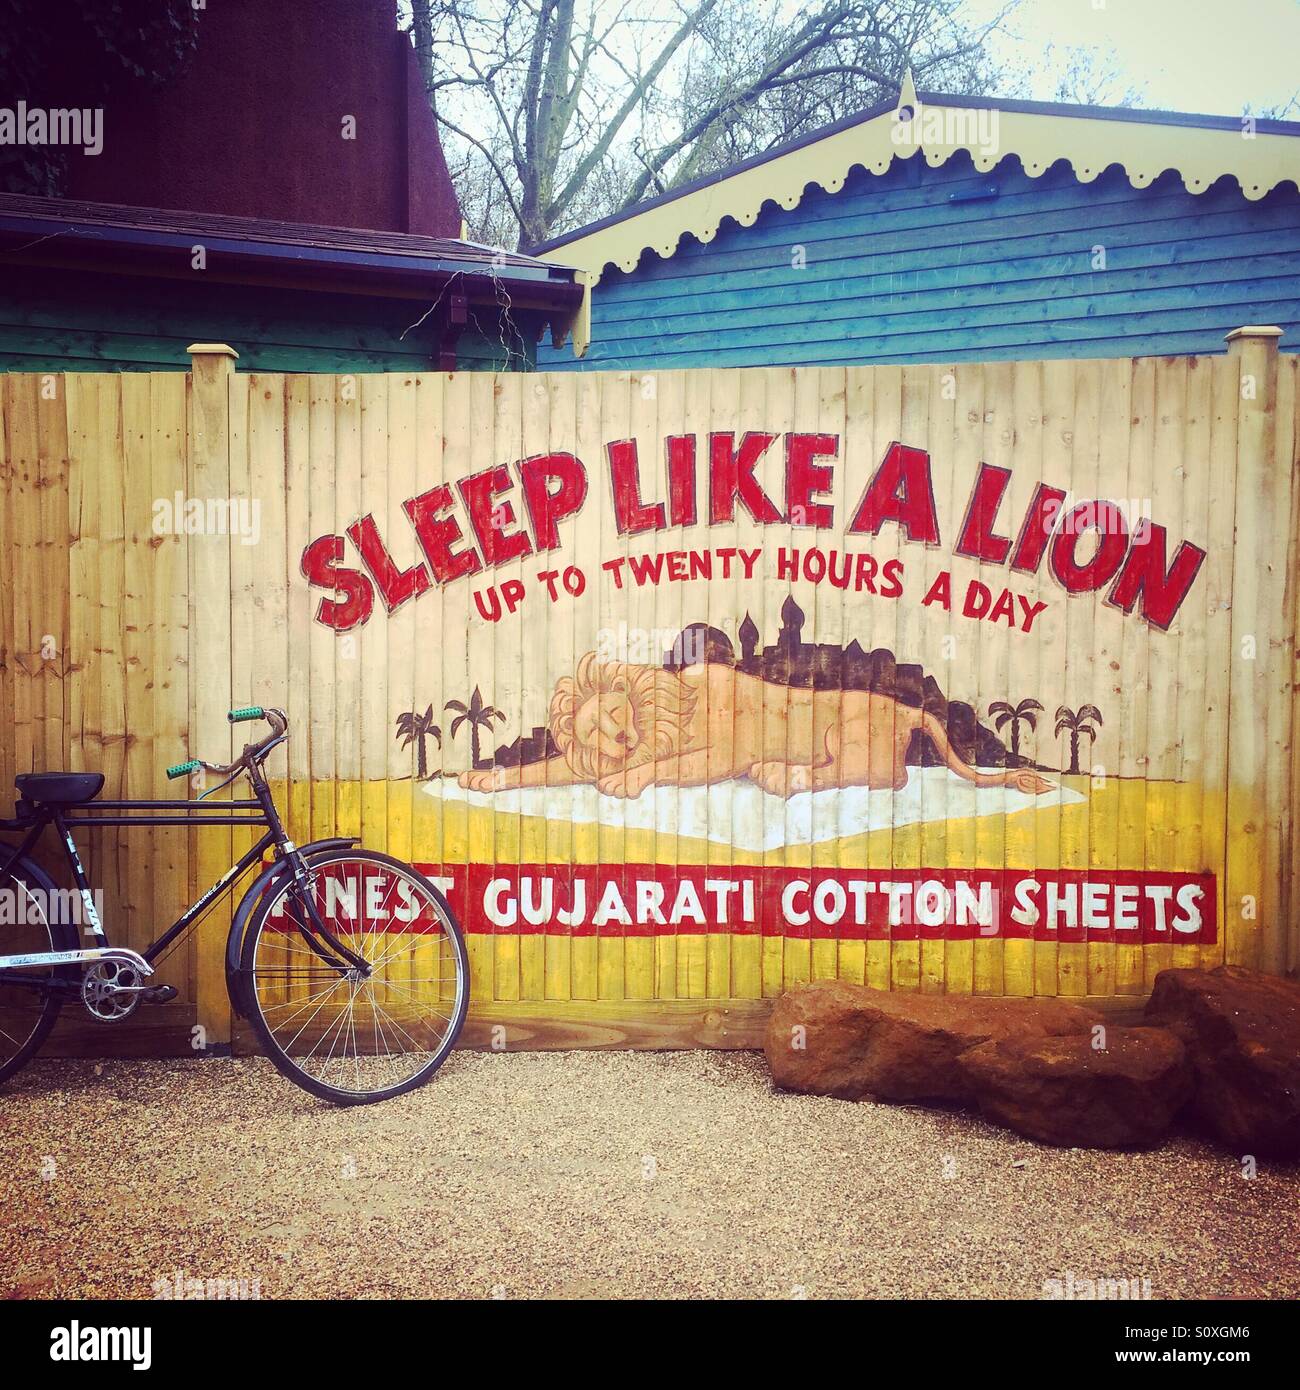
point(1134, 907)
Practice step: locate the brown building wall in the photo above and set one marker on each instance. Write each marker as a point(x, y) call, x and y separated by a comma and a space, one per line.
point(254, 126)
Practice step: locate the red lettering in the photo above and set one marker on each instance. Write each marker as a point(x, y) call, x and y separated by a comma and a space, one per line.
point(1040, 522)
point(978, 598)
point(631, 515)
point(865, 567)
point(321, 567)
point(900, 490)
point(499, 602)
point(646, 568)
point(492, 521)
point(978, 540)
point(805, 480)
point(939, 592)
point(731, 476)
point(1144, 576)
point(681, 480)
point(1029, 610)
point(395, 586)
point(437, 534)
point(548, 507)
point(1004, 606)
point(1104, 518)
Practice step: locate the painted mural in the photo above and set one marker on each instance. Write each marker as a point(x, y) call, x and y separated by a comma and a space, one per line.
point(969, 678)
point(672, 674)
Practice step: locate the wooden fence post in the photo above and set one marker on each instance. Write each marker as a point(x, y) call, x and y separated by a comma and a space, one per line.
point(1260, 699)
point(212, 368)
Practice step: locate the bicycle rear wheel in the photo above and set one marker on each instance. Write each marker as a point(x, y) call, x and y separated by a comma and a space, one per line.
point(29, 1004)
point(341, 1035)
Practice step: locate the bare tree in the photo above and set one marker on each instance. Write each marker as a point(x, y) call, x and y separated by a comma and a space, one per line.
point(1278, 110)
point(559, 111)
point(1091, 77)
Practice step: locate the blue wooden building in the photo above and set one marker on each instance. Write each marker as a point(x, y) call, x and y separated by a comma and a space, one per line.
point(943, 228)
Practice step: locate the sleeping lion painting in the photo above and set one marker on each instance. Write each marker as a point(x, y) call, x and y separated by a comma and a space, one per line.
point(625, 727)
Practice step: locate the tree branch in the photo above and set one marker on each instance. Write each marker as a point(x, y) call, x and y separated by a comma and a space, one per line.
point(599, 150)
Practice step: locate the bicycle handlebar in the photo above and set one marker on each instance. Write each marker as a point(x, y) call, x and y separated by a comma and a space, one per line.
point(279, 723)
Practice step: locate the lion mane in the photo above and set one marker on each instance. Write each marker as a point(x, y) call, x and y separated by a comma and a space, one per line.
point(662, 707)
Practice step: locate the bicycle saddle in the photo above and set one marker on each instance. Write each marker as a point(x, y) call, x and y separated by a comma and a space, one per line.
point(64, 788)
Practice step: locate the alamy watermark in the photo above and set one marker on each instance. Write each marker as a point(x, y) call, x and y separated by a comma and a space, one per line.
point(179, 1284)
point(1074, 1286)
point(36, 906)
point(1122, 515)
point(646, 645)
point(179, 515)
point(42, 125)
point(78, 1342)
point(946, 126)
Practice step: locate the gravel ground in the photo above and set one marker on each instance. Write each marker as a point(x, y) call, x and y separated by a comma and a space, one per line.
point(588, 1174)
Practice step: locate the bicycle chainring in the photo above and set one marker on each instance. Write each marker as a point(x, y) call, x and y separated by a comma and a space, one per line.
point(110, 990)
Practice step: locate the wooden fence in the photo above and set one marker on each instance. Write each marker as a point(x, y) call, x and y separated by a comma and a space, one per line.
point(971, 678)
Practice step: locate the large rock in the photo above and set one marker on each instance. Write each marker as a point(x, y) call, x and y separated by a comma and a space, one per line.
point(1242, 1032)
point(1066, 1091)
point(832, 1038)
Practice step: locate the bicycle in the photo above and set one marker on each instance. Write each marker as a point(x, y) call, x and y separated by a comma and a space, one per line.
point(349, 965)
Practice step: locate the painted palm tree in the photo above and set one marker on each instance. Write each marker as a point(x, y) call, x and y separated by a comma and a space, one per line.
point(416, 728)
point(478, 715)
point(1026, 712)
point(1077, 723)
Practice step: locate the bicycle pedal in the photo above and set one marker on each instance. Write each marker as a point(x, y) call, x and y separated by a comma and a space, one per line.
point(158, 994)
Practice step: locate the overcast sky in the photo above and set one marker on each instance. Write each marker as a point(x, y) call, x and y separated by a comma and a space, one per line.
point(1215, 56)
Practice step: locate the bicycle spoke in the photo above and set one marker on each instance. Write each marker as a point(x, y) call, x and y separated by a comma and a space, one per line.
point(360, 1032)
point(304, 1027)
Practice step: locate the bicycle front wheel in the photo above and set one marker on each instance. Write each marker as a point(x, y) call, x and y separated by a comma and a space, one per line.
point(345, 1035)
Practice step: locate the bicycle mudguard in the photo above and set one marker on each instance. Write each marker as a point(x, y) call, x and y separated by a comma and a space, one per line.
point(32, 871)
point(235, 938)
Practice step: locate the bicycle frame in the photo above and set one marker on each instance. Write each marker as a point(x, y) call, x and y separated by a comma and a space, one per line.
point(258, 811)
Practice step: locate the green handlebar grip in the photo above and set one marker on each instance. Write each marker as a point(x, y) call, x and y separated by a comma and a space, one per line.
point(237, 716)
point(181, 769)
